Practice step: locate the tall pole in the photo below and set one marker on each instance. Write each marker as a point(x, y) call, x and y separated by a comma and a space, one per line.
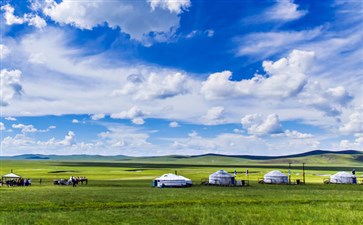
point(304, 172)
point(289, 173)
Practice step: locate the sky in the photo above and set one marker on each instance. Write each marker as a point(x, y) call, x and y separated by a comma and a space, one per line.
point(180, 77)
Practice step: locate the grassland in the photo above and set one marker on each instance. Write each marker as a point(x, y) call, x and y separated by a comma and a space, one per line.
point(120, 192)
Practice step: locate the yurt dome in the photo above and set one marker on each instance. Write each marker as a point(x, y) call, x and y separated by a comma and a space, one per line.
point(343, 178)
point(171, 180)
point(275, 177)
point(221, 177)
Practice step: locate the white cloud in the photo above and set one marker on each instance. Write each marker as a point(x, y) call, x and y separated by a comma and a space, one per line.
point(25, 128)
point(174, 6)
point(75, 121)
point(330, 101)
point(285, 78)
point(52, 127)
point(69, 139)
point(225, 143)
point(259, 125)
point(31, 19)
point(2, 126)
point(134, 113)
point(263, 45)
point(98, 116)
point(4, 51)
point(9, 16)
point(285, 10)
point(357, 144)
point(10, 86)
point(354, 125)
point(293, 134)
point(133, 17)
point(214, 116)
point(37, 58)
point(174, 124)
point(35, 20)
point(17, 141)
point(126, 138)
point(10, 118)
point(154, 86)
point(138, 121)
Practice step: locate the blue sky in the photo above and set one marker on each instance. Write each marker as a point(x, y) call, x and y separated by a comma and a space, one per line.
point(161, 77)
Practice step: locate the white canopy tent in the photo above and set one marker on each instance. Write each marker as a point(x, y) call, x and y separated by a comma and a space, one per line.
point(221, 177)
point(343, 178)
point(275, 177)
point(171, 180)
point(11, 176)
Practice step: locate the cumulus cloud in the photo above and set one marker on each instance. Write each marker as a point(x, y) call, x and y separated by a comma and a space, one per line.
point(98, 116)
point(154, 86)
point(17, 141)
point(157, 24)
point(4, 51)
point(69, 139)
point(260, 125)
point(357, 144)
point(9, 16)
point(330, 101)
point(75, 121)
point(10, 86)
point(174, 124)
point(134, 113)
point(172, 5)
point(30, 19)
point(285, 10)
point(9, 118)
point(215, 115)
point(285, 78)
point(354, 125)
point(25, 128)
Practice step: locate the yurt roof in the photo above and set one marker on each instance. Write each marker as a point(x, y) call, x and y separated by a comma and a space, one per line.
point(11, 175)
point(343, 174)
point(275, 173)
point(170, 176)
point(222, 173)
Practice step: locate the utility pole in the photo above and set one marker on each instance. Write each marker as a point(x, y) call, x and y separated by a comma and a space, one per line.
point(289, 173)
point(304, 172)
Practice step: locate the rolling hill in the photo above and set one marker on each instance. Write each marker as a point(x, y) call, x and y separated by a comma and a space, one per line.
point(316, 157)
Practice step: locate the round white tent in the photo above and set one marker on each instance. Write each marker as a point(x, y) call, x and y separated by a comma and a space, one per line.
point(221, 177)
point(171, 180)
point(275, 177)
point(343, 178)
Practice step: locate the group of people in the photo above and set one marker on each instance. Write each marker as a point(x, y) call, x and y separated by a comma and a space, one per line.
point(72, 180)
point(19, 182)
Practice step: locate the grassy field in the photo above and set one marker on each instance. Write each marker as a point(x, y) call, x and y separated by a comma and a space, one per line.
point(121, 193)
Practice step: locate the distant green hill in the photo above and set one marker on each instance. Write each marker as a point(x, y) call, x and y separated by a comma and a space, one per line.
point(316, 157)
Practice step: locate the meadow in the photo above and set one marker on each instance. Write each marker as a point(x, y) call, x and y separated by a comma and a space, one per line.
point(121, 193)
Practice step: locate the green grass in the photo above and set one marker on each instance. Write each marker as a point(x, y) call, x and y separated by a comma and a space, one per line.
point(122, 194)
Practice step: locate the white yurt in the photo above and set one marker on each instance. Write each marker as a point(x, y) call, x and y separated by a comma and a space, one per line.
point(221, 177)
point(275, 177)
point(343, 178)
point(172, 180)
